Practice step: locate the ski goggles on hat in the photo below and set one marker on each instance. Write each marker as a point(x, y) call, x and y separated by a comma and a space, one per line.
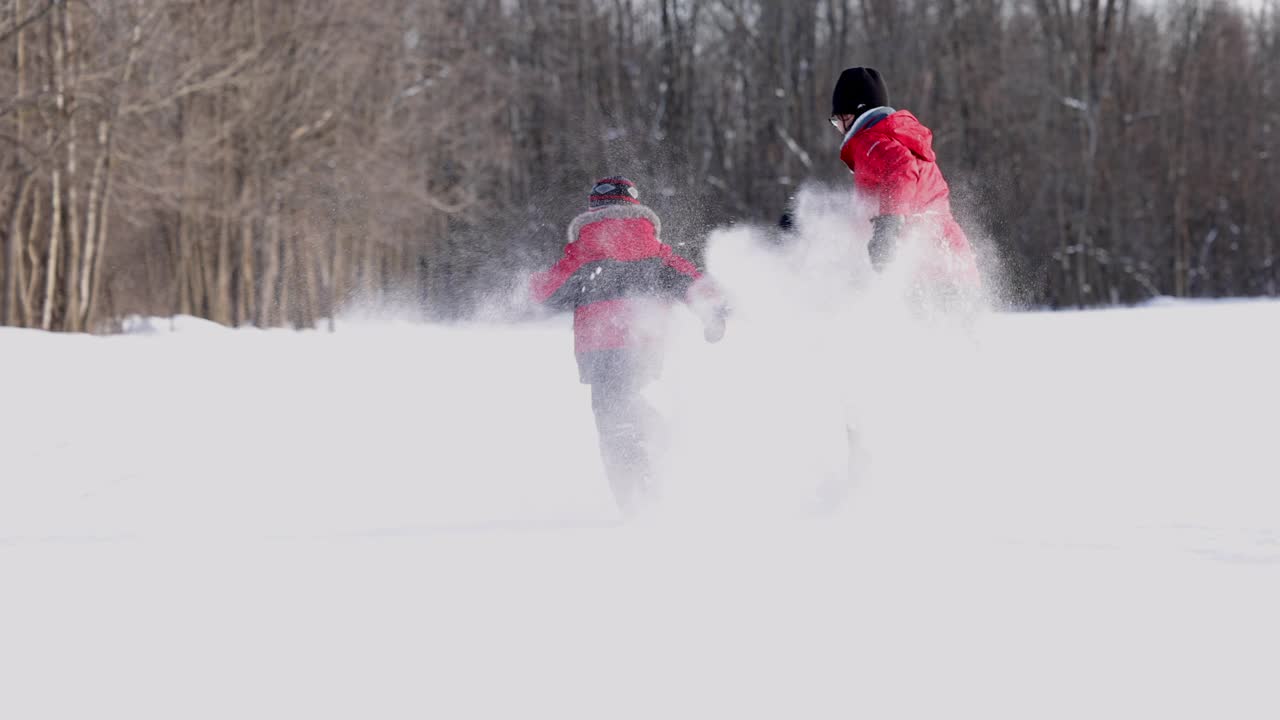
point(612, 189)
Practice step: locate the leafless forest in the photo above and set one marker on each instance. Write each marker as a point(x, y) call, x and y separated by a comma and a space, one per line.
point(268, 161)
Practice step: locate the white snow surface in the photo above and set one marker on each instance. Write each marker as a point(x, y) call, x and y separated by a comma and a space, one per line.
point(1056, 515)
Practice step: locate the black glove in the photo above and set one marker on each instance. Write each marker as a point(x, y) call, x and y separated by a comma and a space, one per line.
point(884, 239)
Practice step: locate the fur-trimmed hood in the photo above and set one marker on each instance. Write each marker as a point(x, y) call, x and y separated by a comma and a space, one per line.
point(614, 212)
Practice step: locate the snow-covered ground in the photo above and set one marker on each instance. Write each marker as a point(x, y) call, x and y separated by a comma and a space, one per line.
point(1056, 515)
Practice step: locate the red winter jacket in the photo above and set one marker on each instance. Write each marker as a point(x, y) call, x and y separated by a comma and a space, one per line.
point(612, 266)
point(892, 161)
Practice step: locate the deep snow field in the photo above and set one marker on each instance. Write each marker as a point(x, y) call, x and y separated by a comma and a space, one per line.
point(1055, 515)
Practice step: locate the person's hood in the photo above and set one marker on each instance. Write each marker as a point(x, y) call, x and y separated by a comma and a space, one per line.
point(903, 127)
point(867, 119)
point(621, 211)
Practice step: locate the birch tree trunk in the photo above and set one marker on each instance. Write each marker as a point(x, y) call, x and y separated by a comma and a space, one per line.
point(271, 270)
point(100, 188)
point(246, 312)
point(73, 311)
point(29, 290)
point(55, 188)
point(13, 254)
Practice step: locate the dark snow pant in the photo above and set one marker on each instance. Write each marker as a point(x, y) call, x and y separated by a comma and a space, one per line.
point(627, 426)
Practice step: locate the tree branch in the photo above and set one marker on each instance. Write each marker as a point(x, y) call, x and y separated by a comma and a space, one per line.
point(20, 24)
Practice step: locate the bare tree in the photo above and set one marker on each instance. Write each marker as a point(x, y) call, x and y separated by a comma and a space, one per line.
point(268, 162)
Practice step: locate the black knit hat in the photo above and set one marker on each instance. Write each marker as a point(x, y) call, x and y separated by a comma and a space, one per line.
point(858, 90)
point(613, 190)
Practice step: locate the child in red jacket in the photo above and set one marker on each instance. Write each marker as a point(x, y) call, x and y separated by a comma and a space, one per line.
point(620, 278)
point(890, 154)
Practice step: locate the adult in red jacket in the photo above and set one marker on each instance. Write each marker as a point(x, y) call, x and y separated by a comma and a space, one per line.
point(890, 154)
point(620, 279)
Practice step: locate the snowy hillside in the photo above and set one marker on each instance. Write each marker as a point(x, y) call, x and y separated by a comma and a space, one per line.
point(1056, 515)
